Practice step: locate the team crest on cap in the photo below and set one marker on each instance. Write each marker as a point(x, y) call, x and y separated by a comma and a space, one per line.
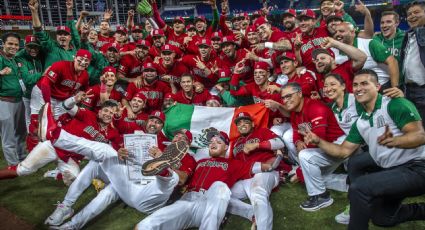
point(157, 114)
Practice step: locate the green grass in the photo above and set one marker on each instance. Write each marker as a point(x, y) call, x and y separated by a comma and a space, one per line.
point(32, 198)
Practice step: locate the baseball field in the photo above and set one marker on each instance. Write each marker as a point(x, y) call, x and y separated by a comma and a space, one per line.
point(26, 202)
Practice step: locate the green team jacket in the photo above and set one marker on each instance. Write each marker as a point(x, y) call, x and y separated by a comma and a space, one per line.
point(9, 84)
point(31, 70)
point(53, 51)
point(394, 46)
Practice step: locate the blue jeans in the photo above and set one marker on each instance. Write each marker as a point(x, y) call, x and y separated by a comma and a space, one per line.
point(376, 193)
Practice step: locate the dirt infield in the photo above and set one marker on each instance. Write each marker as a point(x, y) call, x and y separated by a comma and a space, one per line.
point(10, 221)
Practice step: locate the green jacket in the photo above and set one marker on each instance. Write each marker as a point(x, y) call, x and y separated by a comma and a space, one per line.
point(31, 70)
point(9, 84)
point(53, 51)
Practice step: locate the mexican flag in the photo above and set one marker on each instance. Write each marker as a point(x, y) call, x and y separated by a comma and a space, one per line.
point(198, 119)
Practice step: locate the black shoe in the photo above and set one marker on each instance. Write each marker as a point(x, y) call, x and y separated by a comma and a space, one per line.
point(314, 203)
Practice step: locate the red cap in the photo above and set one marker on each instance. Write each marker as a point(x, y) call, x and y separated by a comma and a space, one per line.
point(83, 53)
point(113, 45)
point(149, 65)
point(63, 28)
point(322, 51)
point(168, 47)
point(307, 14)
point(158, 32)
point(222, 135)
point(144, 43)
point(109, 69)
point(121, 29)
point(260, 21)
point(214, 97)
point(228, 39)
point(179, 18)
point(286, 55)
point(140, 95)
point(157, 114)
point(224, 75)
point(137, 28)
point(217, 35)
point(204, 41)
point(200, 18)
point(290, 12)
point(186, 132)
point(262, 65)
point(241, 116)
point(190, 26)
point(169, 96)
point(31, 40)
point(250, 29)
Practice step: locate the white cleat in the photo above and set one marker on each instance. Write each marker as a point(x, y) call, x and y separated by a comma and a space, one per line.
point(61, 213)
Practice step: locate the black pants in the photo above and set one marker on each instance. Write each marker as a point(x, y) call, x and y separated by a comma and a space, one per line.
point(376, 194)
point(416, 94)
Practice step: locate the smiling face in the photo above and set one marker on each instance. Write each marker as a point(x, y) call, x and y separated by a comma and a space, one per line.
point(104, 28)
point(110, 79)
point(81, 63)
point(264, 31)
point(180, 137)
point(93, 38)
point(245, 126)
point(154, 125)
point(137, 104)
point(229, 49)
point(324, 63)
point(389, 26)
point(63, 38)
point(11, 46)
point(106, 113)
point(120, 37)
point(365, 89)
point(344, 33)
point(306, 24)
point(200, 26)
point(158, 41)
point(217, 147)
point(292, 98)
point(288, 66)
point(178, 26)
point(333, 88)
point(289, 22)
point(416, 16)
point(186, 83)
point(112, 55)
point(261, 76)
point(253, 38)
point(168, 57)
point(150, 75)
point(204, 51)
point(327, 8)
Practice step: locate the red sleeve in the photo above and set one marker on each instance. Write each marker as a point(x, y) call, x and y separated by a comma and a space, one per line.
point(90, 102)
point(224, 29)
point(295, 135)
point(85, 115)
point(242, 91)
point(157, 17)
point(131, 90)
point(318, 114)
point(188, 165)
point(308, 84)
point(45, 85)
point(124, 65)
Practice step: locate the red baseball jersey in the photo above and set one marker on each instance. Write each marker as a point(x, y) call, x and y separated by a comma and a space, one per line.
point(247, 71)
point(346, 71)
point(306, 81)
point(256, 136)
point(130, 66)
point(93, 103)
point(102, 40)
point(254, 90)
point(85, 125)
point(317, 117)
point(210, 170)
point(175, 71)
point(310, 43)
point(208, 80)
point(126, 125)
point(197, 98)
point(64, 81)
point(154, 93)
point(173, 38)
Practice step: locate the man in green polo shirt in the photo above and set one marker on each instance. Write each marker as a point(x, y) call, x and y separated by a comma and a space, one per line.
point(12, 86)
point(393, 169)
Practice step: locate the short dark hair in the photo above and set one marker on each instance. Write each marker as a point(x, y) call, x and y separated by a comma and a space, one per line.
point(109, 103)
point(10, 34)
point(391, 12)
point(336, 76)
point(187, 75)
point(371, 73)
point(293, 85)
point(420, 3)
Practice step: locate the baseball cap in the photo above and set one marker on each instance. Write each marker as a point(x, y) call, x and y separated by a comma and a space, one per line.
point(137, 28)
point(228, 39)
point(260, 21)
point(83, 53)
point(242, 116)
point(31, 40)
point(262, 65)
point(148, 65)
point(190, 27)
point(168, 47)
point(158, 32)
point(113, 45)
point(286, 55)
point(109, 69)
point(63, 28)
point(200, 18)
point(334, 17)
point(144, 43)
point(250, 29)
point(206, 42)
point(157, 114)
point(322, 51)
point(185, 132)
point(307, 14)
point(140, 95)
point(222, 135)
point(290, 12)
point(224, 75)
point(216, 35)
point(179, 18)
point(169, 96)
point(214, 97)
point(121, 29)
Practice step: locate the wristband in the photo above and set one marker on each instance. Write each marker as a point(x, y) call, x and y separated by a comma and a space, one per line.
point(268, 45)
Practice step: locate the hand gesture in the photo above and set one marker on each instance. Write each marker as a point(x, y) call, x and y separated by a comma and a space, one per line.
point(273, 89)
point(315, 95)
point(239, 66)
point(260, 46)
point(393, 92)
point(250, 55)
point(122, 154)
point(298, 41)
point(69, 4)
point(33, 5)
point(139, 81)
point(130, 13)
point(81, 96)
point(212, 3)
point(214, 69)
point(5, 71)
point(327, 43)
point(131, 115)
point(120, 110)
point(155, 152)
point(107, 15)
point(387, 138)
point(361, 8)
point(339, 5)
point(309, 137)
point(224, 7)
point(271, 104)
point(199, 63)
point(248, 147)
point(187, 39)
point(84, 14)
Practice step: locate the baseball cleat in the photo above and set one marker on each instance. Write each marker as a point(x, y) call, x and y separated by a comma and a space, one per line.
point(171, 156)
point(61, 213)
point(47, 122)
point(66, 226)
